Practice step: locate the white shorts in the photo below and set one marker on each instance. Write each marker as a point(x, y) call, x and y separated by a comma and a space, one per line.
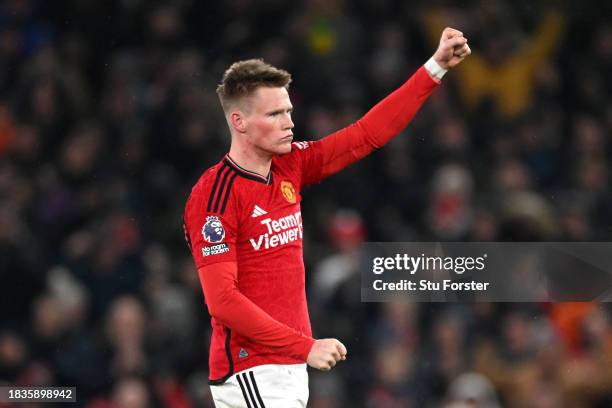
point(264, 386)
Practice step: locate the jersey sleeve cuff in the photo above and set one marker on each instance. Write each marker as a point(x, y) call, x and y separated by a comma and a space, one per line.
point(435, 71)
point(304, 346)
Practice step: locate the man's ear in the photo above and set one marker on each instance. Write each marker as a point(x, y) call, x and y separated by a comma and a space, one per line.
point(238, 121)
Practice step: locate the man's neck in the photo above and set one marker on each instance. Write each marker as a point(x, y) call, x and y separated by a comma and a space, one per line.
point(251, 160)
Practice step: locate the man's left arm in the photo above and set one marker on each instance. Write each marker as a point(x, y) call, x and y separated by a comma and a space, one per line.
point(386, 119)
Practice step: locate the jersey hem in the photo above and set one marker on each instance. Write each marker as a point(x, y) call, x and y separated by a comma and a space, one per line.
point(228, 351)
point(254, 362)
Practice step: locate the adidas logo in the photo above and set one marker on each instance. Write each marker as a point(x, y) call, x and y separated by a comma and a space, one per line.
point(243, 353)
point(257, 211)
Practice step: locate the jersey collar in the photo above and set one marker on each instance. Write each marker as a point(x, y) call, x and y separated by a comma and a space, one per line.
point(246, 173)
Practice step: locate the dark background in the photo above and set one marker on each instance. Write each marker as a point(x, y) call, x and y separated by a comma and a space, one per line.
point(108, 116)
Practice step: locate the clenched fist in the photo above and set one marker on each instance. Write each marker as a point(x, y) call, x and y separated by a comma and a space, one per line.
point(325, 353)
point(453, 48)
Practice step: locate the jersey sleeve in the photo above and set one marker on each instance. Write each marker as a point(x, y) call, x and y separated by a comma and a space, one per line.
point(322, 158)
point(234, 310)
point(211, 236)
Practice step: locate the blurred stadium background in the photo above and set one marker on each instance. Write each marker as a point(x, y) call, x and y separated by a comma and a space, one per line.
point(108, 116)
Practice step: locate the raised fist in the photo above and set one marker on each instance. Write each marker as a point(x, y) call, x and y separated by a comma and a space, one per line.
point(453, 48)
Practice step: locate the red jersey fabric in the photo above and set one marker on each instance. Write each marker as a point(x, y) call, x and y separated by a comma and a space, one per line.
point(245, 233)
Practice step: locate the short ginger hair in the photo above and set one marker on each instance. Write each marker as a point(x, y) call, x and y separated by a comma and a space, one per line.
point(242, 78)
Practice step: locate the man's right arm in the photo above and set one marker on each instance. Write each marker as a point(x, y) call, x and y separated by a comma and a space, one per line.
point(234, 310)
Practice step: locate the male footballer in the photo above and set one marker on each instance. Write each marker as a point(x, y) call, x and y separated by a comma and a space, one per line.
point(243, 224)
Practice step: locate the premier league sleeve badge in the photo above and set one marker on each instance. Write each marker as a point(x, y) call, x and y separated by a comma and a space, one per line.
point(213, 230)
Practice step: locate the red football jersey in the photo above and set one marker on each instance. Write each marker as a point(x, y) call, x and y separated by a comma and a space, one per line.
point(234, 215)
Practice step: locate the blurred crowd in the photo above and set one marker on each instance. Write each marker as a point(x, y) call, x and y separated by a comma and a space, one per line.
point(108, 116)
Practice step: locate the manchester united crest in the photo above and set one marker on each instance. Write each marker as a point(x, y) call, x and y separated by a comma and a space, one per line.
point(288, 191)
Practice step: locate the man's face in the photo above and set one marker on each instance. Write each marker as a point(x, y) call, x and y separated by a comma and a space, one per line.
point(268, 121)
